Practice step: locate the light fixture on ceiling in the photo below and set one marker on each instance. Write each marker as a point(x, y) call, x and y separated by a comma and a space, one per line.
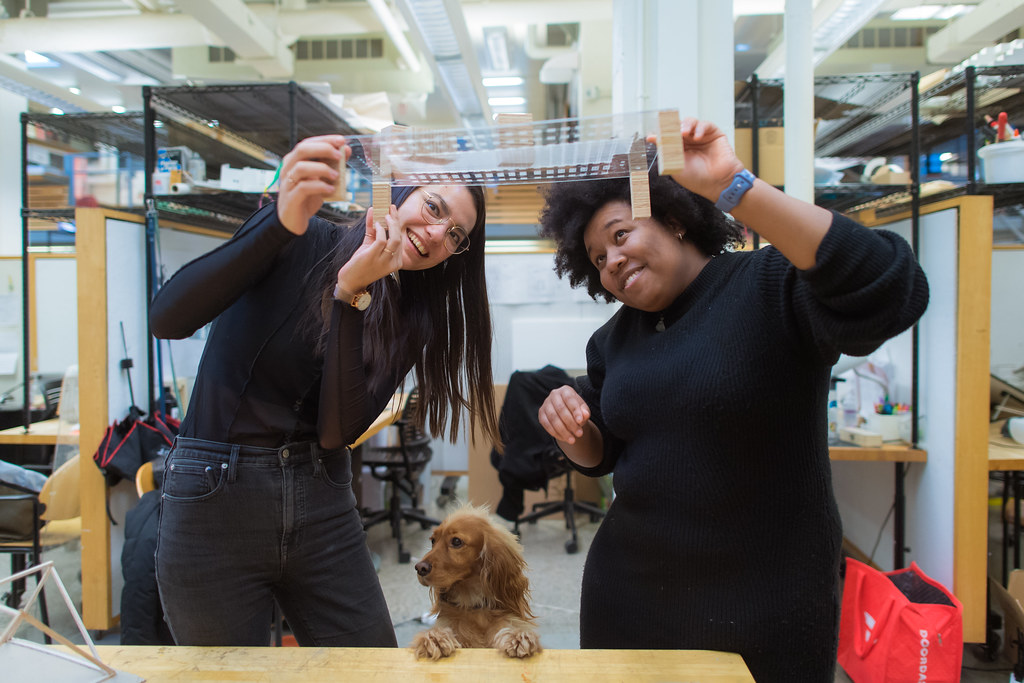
point(75, 91)
point(81, 61)
point(506, 101)
point(439, 29)
point(118, 109)
point(496, 40)
point(924, 12)
point(502, 81)
point(35, 60)
point(56, 110)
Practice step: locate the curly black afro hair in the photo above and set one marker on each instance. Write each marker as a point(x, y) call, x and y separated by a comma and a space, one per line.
point(570, 206)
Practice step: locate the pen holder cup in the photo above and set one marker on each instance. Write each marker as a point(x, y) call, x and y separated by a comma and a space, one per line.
point(1003, 162)
point(891, 427)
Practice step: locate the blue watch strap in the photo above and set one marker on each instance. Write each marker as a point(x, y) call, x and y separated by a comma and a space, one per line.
point(730, 197)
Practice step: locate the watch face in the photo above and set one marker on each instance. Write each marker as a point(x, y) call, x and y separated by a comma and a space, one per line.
point(361, 301)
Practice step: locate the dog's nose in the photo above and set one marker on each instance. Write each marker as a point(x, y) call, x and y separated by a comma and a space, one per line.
point(423, 568)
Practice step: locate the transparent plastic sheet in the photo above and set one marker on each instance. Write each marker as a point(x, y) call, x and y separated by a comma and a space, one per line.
point(507, 154)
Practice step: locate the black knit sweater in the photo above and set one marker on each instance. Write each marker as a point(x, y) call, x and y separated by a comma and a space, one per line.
point(724, 532)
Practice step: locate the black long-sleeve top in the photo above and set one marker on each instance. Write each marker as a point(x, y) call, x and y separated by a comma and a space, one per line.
point(260, 381)
point(724, 532)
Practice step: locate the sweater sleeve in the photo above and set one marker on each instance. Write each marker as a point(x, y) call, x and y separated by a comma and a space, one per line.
point(865, 287)
point(206, 286)
point(589, 388)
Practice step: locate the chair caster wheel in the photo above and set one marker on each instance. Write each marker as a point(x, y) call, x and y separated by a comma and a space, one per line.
point(425, 525)
point(404, 557)
point(571, 547)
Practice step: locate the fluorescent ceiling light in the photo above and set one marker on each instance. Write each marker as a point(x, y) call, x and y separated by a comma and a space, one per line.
point(506, 101)
point(56, 110)
point(502, 81)
point(118, 109)
point(950, 11)
point(75, 91)
point(916, 13)
point(34, 59)
point(939, 12)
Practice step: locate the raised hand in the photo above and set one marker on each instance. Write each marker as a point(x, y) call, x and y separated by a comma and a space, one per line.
point(309, 174)
point(710, 162)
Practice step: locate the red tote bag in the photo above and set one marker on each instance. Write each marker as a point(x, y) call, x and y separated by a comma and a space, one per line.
point(898, 627)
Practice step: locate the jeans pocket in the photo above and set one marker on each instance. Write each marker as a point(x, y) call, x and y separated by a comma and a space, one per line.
point(187, 479)
point(336, 470)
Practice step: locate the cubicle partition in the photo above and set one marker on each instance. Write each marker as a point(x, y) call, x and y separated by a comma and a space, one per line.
point(946, 498)
point(111, 256)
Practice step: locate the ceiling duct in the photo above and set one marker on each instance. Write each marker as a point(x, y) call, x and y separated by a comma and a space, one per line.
point(439, 30)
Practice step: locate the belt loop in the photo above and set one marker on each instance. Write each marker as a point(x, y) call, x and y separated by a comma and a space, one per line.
point(233, 462)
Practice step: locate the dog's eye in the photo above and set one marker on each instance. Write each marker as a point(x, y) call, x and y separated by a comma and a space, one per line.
point(456, 542)
point(432, 541)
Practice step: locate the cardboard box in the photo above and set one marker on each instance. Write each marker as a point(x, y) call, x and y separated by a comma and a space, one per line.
point(771, 150)
point(1010, 602)
point(486, 490)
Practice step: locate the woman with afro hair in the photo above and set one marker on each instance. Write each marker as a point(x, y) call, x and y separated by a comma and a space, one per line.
point(706, 396)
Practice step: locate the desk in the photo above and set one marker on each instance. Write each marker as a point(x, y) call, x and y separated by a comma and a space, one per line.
point(384, 665)
point(39, 434)
point(900, 455)
point(1007, 456)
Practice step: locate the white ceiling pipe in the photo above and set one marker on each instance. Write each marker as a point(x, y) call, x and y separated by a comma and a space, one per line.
point(964, 36)
point(14, 70)
point(145, 31)
point(139, 32)
point(395, 33)
point(241, 30)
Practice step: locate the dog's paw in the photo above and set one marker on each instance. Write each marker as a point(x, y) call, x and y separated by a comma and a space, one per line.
point(517, 643)
point(434, 644)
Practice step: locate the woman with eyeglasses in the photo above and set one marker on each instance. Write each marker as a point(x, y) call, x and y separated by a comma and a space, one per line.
point(315, 325)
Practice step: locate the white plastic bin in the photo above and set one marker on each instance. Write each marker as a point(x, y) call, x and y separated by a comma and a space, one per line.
point(1003, 162)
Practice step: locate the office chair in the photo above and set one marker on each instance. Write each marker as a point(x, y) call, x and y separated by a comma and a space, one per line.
point(58, 507)
point(568, 507)
point(401, 466)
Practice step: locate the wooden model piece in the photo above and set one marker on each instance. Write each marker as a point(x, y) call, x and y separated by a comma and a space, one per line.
point(515, 139)
point(639, 184)
point(670, 142)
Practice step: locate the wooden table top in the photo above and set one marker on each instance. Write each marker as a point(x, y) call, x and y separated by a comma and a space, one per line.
point(42, 433)
point(1004, 454)
point(385, 665)
point(885, 453)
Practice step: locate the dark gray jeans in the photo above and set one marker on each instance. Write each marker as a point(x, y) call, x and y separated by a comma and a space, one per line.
point(240, 526)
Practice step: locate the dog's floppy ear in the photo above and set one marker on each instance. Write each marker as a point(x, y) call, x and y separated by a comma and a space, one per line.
point(502, 573)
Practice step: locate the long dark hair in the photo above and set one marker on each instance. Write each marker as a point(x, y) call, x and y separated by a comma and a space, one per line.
point(437, 318)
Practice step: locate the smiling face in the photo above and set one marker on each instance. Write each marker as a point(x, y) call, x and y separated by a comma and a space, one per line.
point(424, 240)
point(642, 263)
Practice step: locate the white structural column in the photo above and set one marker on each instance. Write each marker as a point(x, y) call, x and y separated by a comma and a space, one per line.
point(674, 54)
point(798, 108)
point(11, 107)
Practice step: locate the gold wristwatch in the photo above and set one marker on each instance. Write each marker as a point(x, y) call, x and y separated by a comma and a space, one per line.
point(360, 301)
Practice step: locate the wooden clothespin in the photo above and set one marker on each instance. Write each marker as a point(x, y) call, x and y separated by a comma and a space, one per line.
point(515, 139)
point(670, 142)
point(639, 183)
point(380, 185)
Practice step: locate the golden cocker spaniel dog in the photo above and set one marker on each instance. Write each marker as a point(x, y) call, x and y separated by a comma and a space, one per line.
point(480, 593)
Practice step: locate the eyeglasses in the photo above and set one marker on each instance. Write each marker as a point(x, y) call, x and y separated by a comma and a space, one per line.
point(436, 212)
